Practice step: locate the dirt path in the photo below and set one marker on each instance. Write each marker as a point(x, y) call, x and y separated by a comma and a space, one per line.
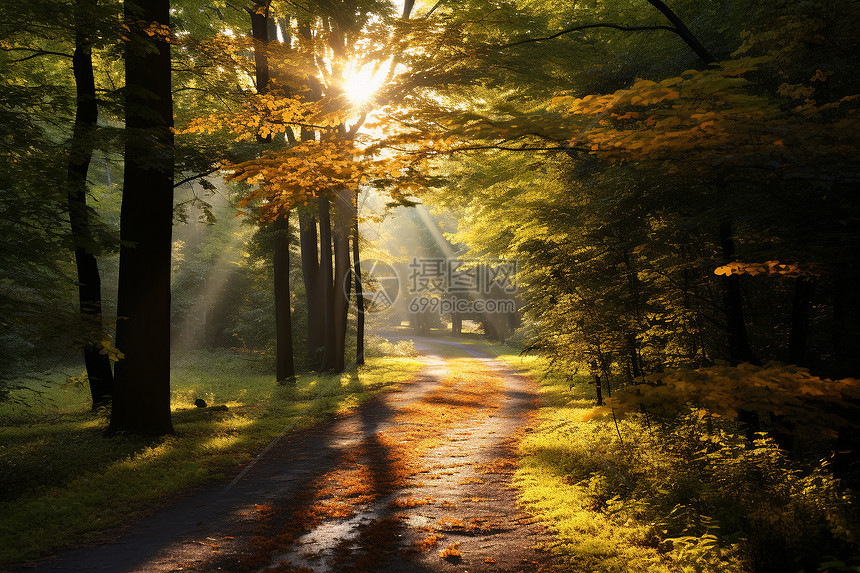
point(413, 480)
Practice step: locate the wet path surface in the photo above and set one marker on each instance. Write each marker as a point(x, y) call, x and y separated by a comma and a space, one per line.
point(416, 479)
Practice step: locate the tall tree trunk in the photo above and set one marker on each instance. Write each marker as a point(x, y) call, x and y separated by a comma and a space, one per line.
point(141, 401)
point(89, 281)
point(359, 297)
point(783, 429)
point(635, 367)
point(456, 321)
point(344, 210)
point(341, 298)
point(285, 370)
point(327, 279)
point(262, 29)
point(633, 284)
point(311, 273)
point(687, 295)
point(260, 34)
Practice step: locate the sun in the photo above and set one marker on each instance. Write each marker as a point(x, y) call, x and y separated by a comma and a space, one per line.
point(361, 82)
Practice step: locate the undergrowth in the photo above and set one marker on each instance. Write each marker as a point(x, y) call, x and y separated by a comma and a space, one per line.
point(63, 482)
point(692, 496)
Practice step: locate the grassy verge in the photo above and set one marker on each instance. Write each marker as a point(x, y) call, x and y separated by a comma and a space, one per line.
point(63, 482)
point(684, 494)
point(556, 464)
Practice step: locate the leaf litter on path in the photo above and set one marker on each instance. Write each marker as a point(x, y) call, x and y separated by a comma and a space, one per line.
point(422, 477)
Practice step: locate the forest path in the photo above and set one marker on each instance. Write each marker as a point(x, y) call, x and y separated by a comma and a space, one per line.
point(416, 479)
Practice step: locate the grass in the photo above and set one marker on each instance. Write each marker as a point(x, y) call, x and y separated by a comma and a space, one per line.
point(556, 464)
point(63, 482)
point(683, 494)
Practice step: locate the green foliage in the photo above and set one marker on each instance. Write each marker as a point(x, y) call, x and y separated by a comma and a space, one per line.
point(609, 182)
point(37, 104)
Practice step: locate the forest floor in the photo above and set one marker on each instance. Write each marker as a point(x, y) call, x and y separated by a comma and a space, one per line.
point(417, 479)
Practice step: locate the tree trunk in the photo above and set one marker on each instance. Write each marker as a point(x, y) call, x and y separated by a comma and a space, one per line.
point(344, 210)
point(311, 273)
point(98, 365)
point(260, 34)
point(359, 298)
point(784, 429)
point(736, 330)
point(262, 30)
point(688, 295)
point(141, 401)
point(635, 366)
point(633, 285)
point(341, 298)
point(326, 262)
point(285, 370)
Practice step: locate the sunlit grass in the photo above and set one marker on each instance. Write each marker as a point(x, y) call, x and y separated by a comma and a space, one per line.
point(63, 481)
point(556, 461)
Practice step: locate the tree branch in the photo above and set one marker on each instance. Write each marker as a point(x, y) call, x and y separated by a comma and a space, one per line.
point(684, 32)
point(190, 88)
point(591, 26)
point(565, 148)
point(433, 9)
point(193, 177)
point(678, 27)
point(36, 53)
point(353, 131)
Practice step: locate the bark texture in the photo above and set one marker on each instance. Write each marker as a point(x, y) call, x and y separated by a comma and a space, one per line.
point(141, 401)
